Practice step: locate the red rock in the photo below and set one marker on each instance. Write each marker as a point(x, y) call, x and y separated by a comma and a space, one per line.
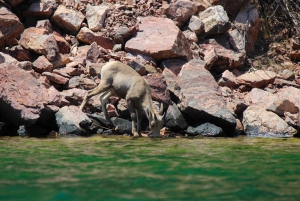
point(39, 10)
point(160, 39)
point(63, 45)
point(295, 44)
point(56, 99)
point(60, 61)
point(81, 82)
point(20, 53)
point(227, 80)
point(159, 91)
point(181, 11)
point(21, 102)
point(257, 79)
point(68, 20)
point(42, 65)
point(111, 110)
point(45, 24)
point(295, 55)
point(10, 26)
point(87, 36)
point(7, 59)
point(39, 41)
point(56, 78)
point(198, 96)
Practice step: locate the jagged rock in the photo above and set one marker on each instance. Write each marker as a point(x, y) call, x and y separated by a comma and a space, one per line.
point(41, 64)
point(21, 103)
point(71, 120)
point(39, 10)
point(233, 6)
point(20, 53)
point(56, 78)
point(257, 79)
point(198, 96)
point(11, 27)
point(258, 121)
point(39, 41)
point(81, 82)
point(181, 11)
point(7, 59)
point(63, 45)
point(60, 60)
point(159, 91)
point(215, 20)
point(95, 16)
point(45, 24)
point(206, 129)
point(56, 99)
point(172, 68)
point(121, 34)
point(247, 20)
point(190, 36)
point(92, 53)
point(196, 25)
point(25, 65)
point(160, 39)
point(137, 63)
point(74, 96)
point(228, 79)
point(219, 55)
point(174, 119)
point(68, 20)
point(260, 98)
point(88, 36)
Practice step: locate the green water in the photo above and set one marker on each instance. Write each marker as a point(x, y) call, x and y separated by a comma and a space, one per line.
point(124, 168)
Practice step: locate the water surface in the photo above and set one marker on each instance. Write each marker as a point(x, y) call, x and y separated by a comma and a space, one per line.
point(125, 168)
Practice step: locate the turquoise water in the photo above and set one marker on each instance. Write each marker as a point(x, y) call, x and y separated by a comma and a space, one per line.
point(124, 168)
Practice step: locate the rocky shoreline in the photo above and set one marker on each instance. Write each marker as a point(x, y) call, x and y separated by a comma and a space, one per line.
point(194, 54)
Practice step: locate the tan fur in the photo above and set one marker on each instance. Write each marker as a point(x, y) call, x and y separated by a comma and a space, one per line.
point(121, 80)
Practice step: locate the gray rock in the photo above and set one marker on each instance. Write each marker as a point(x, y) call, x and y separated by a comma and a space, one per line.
point(215, 20)
point(174, 119)
point(71, 120)
point(206, 129)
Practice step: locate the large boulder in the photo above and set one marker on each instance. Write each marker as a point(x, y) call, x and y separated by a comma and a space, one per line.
point(22, 97)
point(10, 26)
point(160, 39)
point(215, 20)
point(71, 120)
point(181, 11)
point(258, 121)
point(68, 20)
point(199, 97)
point(39, 41)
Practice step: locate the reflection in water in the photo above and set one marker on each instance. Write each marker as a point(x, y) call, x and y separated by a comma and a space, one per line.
point(120, 168)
